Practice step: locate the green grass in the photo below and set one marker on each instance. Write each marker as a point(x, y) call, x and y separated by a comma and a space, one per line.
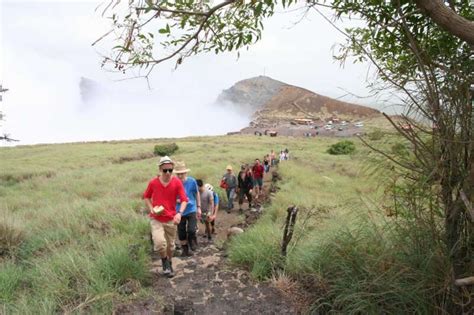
point(346, 252)
point(71, 217)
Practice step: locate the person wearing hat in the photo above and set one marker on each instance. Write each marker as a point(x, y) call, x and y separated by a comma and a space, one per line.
point(160, 197)
point(231, 184)
point(188, 225)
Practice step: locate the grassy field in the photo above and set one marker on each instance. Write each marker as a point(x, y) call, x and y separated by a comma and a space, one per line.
point(74, 234)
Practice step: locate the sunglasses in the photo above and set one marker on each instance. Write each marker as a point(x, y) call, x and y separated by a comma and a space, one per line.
point(167, 170)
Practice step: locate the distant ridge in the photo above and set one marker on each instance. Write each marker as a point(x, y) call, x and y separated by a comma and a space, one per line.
point(267, 99)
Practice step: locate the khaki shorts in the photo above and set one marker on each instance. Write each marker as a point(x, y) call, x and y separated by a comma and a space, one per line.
point(163, 234)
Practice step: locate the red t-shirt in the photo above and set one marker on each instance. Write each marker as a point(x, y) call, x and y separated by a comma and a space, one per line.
point(258, 171)
point(165, 196)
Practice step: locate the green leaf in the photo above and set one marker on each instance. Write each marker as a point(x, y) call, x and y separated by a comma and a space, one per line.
point(258, 9)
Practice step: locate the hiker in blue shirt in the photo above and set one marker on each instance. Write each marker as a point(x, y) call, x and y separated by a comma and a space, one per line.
point(188, 225)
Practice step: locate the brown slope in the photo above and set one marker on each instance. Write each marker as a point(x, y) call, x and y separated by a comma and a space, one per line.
point(292, 102)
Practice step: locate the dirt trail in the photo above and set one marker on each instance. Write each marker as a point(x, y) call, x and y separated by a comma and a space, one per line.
point(206, 283)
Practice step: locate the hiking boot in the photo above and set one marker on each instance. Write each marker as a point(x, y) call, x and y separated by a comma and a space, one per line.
point(171, 271)
point(166, 266)
point(185, 252)
point(209, 238)
point(193, 244)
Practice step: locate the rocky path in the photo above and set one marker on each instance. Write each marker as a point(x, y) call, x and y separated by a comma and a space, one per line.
point(206, 283)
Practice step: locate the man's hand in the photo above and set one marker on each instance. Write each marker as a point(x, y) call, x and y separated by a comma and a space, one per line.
point(199, 213)
point(177, 218)
point(211, 218)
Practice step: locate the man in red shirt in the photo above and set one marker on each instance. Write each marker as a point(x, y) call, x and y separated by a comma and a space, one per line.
point(257, 171)
point(160, 197)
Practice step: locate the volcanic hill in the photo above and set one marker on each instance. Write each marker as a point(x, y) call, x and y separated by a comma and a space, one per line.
point(272, 101)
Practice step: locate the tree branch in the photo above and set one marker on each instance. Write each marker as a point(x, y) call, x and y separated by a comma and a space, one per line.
point(447, 19)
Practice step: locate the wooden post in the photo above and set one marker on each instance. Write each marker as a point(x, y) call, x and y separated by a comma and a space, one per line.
point(289, 228)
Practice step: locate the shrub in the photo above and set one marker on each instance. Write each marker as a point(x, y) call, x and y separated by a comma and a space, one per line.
point(165, 149)
point(342, 147)
point(375, 135)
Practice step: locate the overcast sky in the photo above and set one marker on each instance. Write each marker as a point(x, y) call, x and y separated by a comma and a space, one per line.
point(46, 49)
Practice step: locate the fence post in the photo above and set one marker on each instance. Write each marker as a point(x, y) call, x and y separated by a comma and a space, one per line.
point(289, 227)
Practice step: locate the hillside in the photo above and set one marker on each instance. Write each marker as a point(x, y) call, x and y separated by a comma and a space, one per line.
point(271, 100)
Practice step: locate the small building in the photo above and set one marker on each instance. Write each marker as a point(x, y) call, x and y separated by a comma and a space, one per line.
point(303, 121)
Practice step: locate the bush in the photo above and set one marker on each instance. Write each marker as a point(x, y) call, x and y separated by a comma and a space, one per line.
point(375, 135)
point(342, 147)
point(165, 149)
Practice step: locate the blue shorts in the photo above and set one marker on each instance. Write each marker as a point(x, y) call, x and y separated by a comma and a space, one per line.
point(258, 181)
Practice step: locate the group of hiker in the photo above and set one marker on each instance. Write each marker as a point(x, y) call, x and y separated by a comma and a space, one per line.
point(176, 203)
point(247, 179)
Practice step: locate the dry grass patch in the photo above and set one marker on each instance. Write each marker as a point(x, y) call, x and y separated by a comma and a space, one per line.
point(135, 157)
point(11, 237)
point(292, 291)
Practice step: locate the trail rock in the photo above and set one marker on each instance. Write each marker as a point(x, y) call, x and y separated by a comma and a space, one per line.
point(234, 231)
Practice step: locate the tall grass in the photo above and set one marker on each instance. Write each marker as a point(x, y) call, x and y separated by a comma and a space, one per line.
point(346, 254)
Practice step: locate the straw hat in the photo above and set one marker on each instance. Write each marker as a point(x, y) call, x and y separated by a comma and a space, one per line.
point(180, 168)
point(229, 167)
